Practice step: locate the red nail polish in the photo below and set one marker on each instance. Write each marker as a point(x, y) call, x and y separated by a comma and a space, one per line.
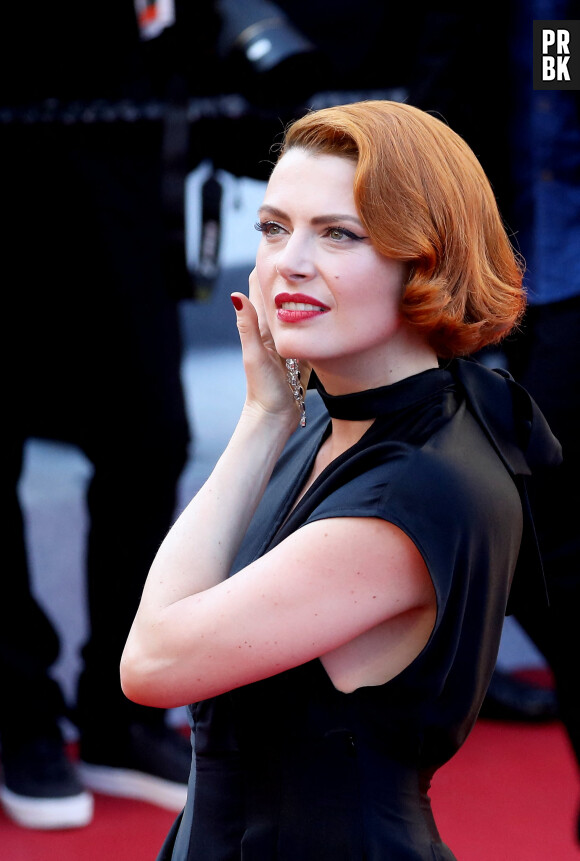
point(237, 303)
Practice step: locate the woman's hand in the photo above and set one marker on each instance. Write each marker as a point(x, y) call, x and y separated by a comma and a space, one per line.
point(267, 386)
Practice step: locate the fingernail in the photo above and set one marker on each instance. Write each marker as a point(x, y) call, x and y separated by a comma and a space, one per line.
point(237, 303)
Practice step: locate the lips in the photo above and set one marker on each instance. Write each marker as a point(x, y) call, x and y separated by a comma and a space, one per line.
point(297, 307)
point(299, 302)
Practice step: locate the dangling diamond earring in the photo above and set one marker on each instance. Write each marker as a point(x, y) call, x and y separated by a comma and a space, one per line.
point(293, 377)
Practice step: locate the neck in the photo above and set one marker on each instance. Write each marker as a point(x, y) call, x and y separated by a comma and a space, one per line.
point(351, 377)
point(354, 412)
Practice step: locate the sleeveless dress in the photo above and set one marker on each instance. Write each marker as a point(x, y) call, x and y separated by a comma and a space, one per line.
point(291, 769)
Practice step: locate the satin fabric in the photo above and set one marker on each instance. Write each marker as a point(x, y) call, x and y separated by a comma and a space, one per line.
point(292, 768)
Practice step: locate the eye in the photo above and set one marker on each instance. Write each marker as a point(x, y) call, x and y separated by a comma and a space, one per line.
point(269, 228)
point(340, 233)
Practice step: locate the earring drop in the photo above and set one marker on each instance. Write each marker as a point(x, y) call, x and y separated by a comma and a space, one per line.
point(293, 377)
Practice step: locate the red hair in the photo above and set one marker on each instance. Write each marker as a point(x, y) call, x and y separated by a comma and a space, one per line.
point(423, 198)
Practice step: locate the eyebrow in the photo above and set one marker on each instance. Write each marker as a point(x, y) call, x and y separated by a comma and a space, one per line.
point(318, 219)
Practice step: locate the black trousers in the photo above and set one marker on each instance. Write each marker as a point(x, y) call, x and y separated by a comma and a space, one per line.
point(546, 360)
point(93, 358)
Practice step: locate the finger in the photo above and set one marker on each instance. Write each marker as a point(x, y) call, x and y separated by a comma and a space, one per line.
point(248, 326)
point(257, 300)
point(255, 290)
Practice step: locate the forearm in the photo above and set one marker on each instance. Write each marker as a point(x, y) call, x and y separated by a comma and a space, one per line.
point(177, 617)
point(199, 549)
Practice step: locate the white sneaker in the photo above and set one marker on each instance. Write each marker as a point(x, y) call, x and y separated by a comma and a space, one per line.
point(41, 788)
point(74, 811)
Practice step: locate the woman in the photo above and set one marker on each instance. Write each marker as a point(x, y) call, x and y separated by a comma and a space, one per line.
point(347, 658)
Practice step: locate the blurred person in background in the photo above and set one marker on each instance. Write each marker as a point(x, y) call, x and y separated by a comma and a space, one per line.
point(93, 358)
point(94, 264)
point(545, 356)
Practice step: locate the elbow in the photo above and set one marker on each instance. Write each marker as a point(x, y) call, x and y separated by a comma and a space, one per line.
point(141, 681)
point(133, 682)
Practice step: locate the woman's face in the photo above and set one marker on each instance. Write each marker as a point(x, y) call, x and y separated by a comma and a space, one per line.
point(329, 296)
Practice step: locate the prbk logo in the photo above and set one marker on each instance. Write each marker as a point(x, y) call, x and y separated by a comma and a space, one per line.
point(556, 55)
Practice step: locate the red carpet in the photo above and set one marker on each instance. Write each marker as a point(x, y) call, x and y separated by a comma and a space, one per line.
point(509, 795)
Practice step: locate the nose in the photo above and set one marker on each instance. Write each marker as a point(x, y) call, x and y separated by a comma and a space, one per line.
point(295, 262)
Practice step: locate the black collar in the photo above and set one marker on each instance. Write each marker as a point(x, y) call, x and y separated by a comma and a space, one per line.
point(359, 406)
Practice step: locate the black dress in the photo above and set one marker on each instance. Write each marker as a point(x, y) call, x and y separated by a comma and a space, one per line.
point(291, 769)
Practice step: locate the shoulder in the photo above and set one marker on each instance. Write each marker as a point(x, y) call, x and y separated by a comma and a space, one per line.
point(454, 473)
point(452, 496)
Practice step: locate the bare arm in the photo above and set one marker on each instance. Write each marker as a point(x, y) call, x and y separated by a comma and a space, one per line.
point(197, 634)
point(318, 590)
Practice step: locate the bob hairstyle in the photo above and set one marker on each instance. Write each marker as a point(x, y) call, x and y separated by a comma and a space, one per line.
point(424, 199)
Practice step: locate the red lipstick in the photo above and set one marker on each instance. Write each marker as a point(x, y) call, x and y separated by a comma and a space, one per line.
point(295, 307)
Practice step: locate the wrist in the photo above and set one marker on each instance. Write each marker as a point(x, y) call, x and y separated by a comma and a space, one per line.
point(277, 425)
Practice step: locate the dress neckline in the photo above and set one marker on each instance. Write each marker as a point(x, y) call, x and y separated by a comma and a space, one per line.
point(371, 403)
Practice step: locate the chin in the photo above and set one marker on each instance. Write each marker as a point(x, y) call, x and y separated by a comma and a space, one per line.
point(291, 347)
point(287, 348)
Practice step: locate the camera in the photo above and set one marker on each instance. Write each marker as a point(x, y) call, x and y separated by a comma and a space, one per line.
point(267, 55)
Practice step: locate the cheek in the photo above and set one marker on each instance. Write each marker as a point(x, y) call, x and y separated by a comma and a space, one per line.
point(386, 288)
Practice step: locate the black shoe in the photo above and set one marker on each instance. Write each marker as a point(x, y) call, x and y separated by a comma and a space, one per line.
point(153, 765)
point(41, 788)
point(510, 698)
